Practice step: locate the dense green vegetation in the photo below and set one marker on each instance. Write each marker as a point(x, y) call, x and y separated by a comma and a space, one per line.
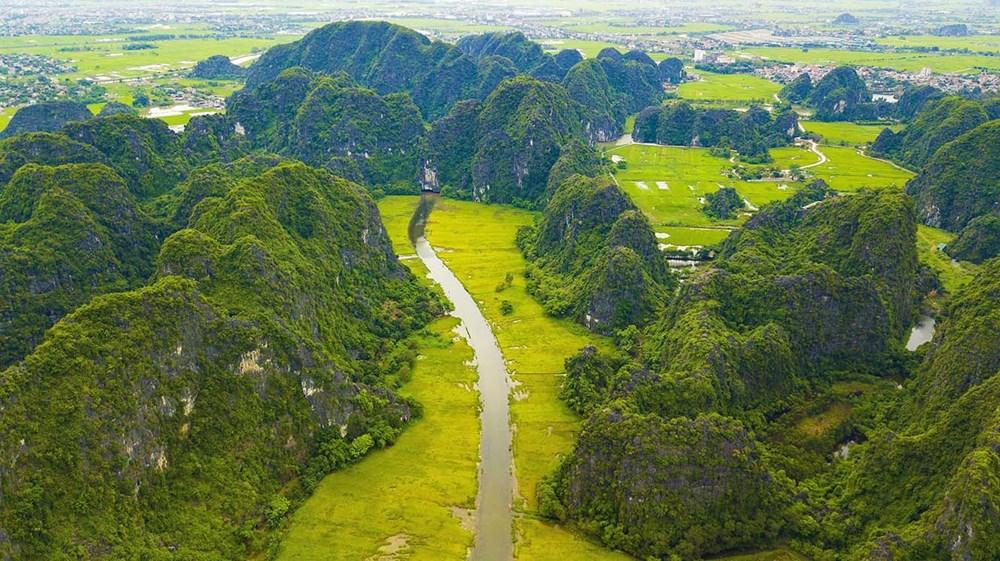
point(389, 58)
point(612, 88)
point(201, 332)
point(594, 257)
point(71, 232)
point(939, 121)
point(840, 95)
point(223, 373)
point(978, 241)
point(793, 298)
point(505, 112)
point(924, 486)
point(45, 117)
point(953, 190)
point(505, 148)
point(218, 67)
point(331, 122)
point(751, 133)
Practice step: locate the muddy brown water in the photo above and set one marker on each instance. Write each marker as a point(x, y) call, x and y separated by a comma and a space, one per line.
point(493, 534)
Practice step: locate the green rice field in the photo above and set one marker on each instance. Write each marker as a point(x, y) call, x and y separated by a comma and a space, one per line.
point(477, 242)
point(846, 133)
point(667, 183)
point(974, 43)
point(728, 87)
point(847, 170)
point(910, 61)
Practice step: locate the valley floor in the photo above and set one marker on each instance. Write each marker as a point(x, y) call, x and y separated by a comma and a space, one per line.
point(414, 499)
point(408, 501)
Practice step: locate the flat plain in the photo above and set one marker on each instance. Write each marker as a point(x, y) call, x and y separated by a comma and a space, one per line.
point(477, 243)
point(727, 88)
point(911, 61)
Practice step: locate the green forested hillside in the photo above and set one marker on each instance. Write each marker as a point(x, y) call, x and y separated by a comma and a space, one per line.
point(46, 117)
point(262, 352)
point(794, 298)
point(925, 485)
point(594, 257)
point(502, 150)
point(331, 122)
point(70, 232)
point(955, 188)
point(197, 328)
point(751, 133)
point(385, 57)
point(939, 122)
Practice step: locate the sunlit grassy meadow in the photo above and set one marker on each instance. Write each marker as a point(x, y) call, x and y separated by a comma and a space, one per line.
point(727, 88)
point(847, 170)
point(953, 274)
point(846, 133)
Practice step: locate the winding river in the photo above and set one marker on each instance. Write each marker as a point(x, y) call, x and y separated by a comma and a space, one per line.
point(493, 537)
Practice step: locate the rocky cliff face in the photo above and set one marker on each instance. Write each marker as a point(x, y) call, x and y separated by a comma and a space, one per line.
point(953, 189)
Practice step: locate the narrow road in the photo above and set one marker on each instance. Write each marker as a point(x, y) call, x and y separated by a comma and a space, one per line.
point(494, 514)
point(814, 148)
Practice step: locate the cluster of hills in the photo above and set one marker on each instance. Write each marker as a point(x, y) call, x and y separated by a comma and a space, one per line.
point(198, 327)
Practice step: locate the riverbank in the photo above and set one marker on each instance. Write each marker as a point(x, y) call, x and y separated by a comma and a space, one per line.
point(477, 243)
point(493, 516)
point(408, 501)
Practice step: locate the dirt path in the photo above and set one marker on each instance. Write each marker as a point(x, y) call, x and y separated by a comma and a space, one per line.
point(814, 148)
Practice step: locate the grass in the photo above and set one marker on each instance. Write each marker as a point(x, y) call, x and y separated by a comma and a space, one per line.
point(820, 424)
point(104, 56)
point(681, 236)
point(477, 243)
point(788, 156)
point(727, 88)
point(974, 43)
point(907, 61)
point(689, 174)
point(847, 170)
point(589, 49)
point(846, 133)
point(5, 116)
point(404, 495)
point(953, 274)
